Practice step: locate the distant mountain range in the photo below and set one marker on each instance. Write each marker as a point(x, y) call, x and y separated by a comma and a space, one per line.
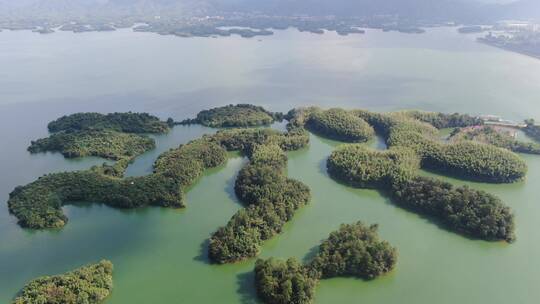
point(448, 10)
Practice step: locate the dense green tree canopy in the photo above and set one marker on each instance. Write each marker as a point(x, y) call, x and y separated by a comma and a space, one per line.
point(284, 282)
point(475, 161)
point(90, 284)
point(463, 210)
point(354, 250)
point(38, 204)
point(471, 212)
point(362, 167)
point(340, 125)
point(241, 115)
point(102, 143)
point(121, 122)
point(271, 198)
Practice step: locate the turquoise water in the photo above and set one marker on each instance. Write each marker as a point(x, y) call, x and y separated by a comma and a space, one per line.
point(159, 254)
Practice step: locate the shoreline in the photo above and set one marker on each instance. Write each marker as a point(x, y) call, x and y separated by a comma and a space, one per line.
point(510, 49)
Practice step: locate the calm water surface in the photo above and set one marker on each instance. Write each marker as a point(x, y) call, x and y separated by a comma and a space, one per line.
point(159, 254)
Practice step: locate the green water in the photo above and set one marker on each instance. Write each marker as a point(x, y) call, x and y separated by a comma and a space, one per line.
point(159, 254)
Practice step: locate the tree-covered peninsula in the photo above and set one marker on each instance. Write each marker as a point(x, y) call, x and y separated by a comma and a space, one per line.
point(270, 197)
point(353, 251)
point(471, 212)
point(39, 204)
point(467, 159)
point(90, 284)
point(240, 116)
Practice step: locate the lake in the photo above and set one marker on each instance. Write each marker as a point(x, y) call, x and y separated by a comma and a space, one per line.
point(160, 254)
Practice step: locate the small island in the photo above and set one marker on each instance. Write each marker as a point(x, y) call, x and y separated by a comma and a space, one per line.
point(121, 122)
point(90, 284)
point(107, 144)
point(239, 116)
point(353, 251)
point(116, 136)
point(338, 124)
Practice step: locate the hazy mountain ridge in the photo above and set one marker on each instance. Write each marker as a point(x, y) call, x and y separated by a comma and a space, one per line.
point(442, 10)
point(100, 7)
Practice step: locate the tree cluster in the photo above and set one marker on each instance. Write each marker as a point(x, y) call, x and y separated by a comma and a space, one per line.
point(353, 251)
point(475, 161)
point(38, 204)
point(340, 125)
point(241, 115)
point(90, 284)
point(101, 143)
point(271, 199)
point(284, 282)
point(463, 210)
point(362, 167)
point(121, 122)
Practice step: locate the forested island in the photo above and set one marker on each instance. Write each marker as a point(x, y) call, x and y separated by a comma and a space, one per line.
point(241, 116)
point(121, 122)
point(89, 284)
point(101, 143)
point(353, 251)
point(338, 124)
point(117, 136)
